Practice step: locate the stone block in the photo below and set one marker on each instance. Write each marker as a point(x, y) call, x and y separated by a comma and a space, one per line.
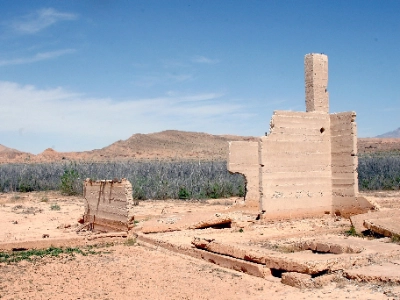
point(188, 221)
point(376, 273)
point(297, 280)
point(357, 221)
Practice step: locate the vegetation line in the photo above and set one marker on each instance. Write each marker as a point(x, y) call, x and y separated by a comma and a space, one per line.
point(170, 180)
point(150, 180)
point(17, 256)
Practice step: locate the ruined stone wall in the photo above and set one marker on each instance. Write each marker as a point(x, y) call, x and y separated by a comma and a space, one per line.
point(108, 204)
point(243, 159)
point(295, 173)
point(344, 159)
point(308, 163)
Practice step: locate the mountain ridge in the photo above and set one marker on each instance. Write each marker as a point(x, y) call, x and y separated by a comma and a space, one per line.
point(391, 134)
point(168, 145)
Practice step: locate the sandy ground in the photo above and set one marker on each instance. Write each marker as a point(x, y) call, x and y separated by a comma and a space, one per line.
point(144, 271)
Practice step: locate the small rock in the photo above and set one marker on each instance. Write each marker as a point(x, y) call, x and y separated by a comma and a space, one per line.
point(64, 226)
point(15, 222)
point(45, 235)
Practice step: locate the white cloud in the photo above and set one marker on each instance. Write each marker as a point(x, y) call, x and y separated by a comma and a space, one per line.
point(40, 20)
point(38, 57)
point(204, 60)
point(75, 118)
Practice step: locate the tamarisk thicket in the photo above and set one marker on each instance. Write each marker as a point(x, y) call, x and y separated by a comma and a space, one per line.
point(379, 172)
point(171, 180)
point(150, 180)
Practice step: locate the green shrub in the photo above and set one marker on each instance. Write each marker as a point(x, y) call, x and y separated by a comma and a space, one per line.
point(183, 193)
point(241, 191)
point(70, 184)
point(351, 232)
point(17, 256)
point(25, 187)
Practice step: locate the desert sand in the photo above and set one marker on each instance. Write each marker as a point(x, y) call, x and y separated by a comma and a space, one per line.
point(166, 265)
point(141, 270)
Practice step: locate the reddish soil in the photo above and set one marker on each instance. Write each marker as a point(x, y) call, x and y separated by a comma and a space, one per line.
point(147, 271)
point(373, 145)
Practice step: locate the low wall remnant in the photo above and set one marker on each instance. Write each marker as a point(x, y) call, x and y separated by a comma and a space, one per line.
point(108, 205)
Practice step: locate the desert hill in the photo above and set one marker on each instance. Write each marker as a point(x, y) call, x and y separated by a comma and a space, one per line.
point(173, 144)
point(10, 154)
point(169, 145)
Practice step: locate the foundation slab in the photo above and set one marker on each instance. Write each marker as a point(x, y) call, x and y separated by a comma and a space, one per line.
point(385, 272)
point(386, 226)
point(357, 221)
point(188, 221)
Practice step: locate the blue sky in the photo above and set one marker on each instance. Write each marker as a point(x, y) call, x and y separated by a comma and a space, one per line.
point(80, 75)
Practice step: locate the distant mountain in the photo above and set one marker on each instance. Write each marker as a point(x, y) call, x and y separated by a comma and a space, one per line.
point(7, 154)
point(172, 144)
point(165, 145)
point(391, 134)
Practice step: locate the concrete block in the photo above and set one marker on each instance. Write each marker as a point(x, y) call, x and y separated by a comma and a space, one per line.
point(108, 204)
point(377, 273)
point(188, 221)
point(297, 280)
point(357, 221)
point(330, 247)
point(316, 82)
point(236, 264)
point(385, 226)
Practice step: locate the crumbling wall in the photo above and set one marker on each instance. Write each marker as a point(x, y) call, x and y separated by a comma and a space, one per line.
point(108, 204)
point(307, 165)
point(344, 165)
point(243, 159)
point(295, 173)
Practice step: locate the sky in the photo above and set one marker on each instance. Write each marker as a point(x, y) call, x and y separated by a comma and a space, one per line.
point(81, 74)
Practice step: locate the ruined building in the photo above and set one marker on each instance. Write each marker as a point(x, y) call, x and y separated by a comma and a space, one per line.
point(307, 164)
